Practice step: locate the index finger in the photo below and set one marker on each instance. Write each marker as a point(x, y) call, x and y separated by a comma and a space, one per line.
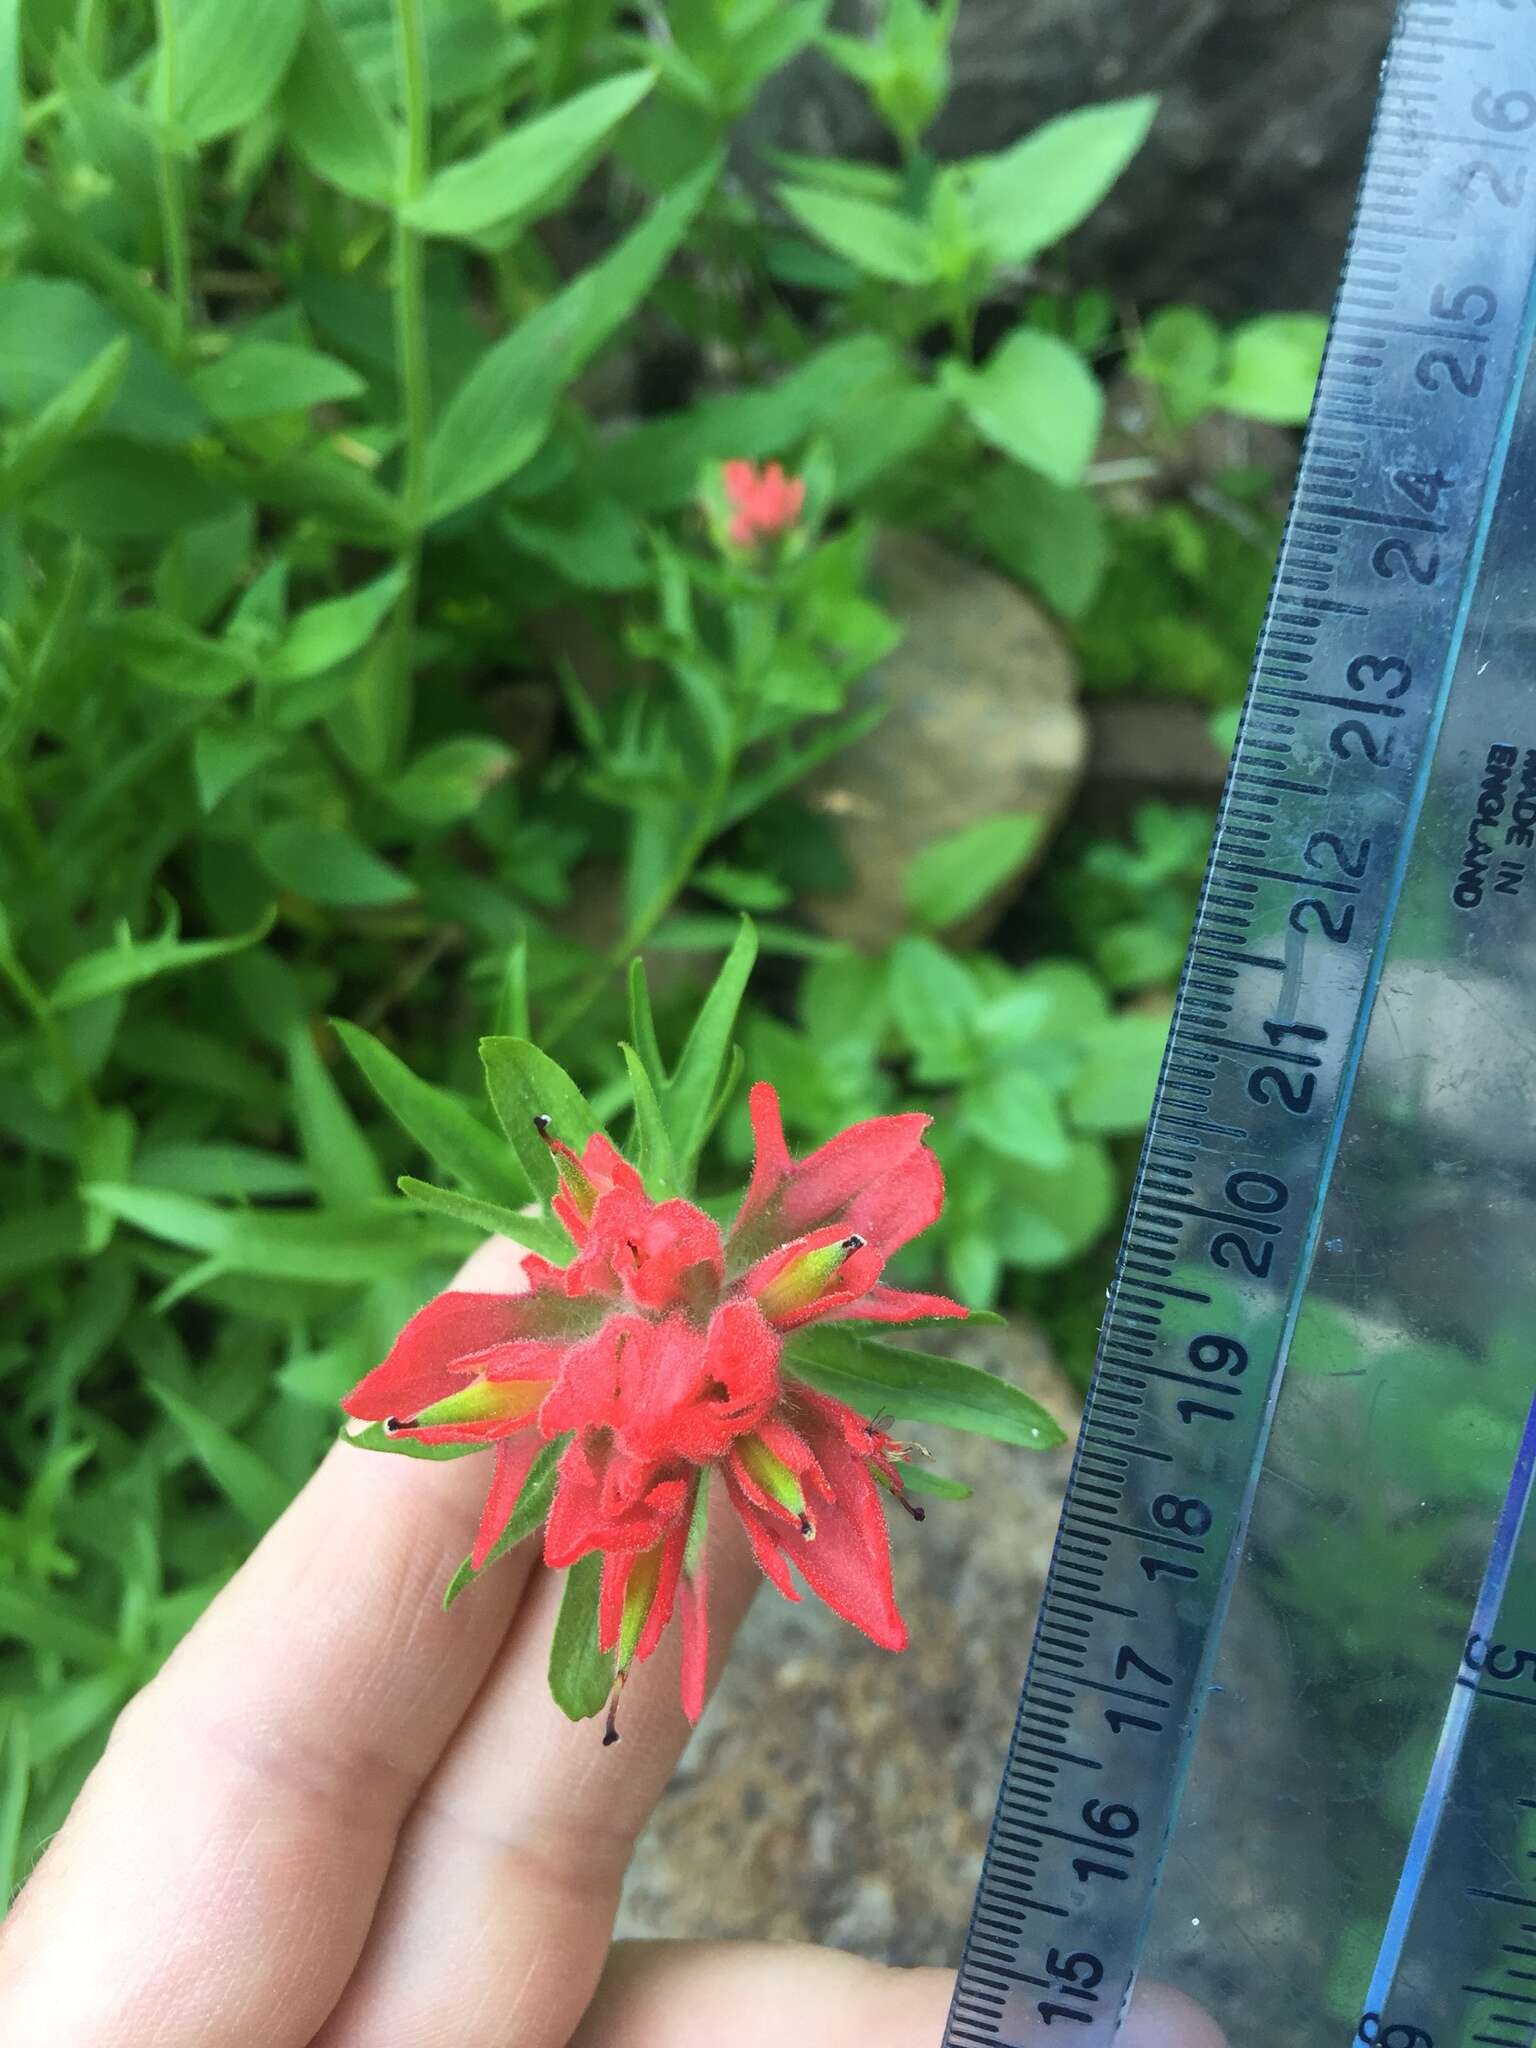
point(216, 1879)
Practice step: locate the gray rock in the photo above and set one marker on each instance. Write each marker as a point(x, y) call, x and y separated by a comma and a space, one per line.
point(1242, 196)
point(982, 718)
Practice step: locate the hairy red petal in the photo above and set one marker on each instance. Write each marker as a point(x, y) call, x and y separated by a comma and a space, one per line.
point(900, 1204)
point(771, 1161)
point(511, 1469)
point(760, 1527)
point(847, 1562)
point(438, 1346)
point(580, 1518)
point(662, 1600)
point(896, 1305)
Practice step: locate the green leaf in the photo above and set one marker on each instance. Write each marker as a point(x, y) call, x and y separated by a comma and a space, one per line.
point(1112, 1090)
point(445, 1129)
point(17, 1771)
point(1181, 351)
point(375, 1437)
point(332, 1247)
point(653, 1147)
point(224, 755)
point(133, 961)
point(229, 61)
point(533, 1233)
point(642, 1026)
point(1272, 367)
point(918, 1386)
point(53, 329)
point(1047, 535)
point(448, 781)
point(1040, 1220)
point(526, 170)
point(1036, 399)
point(71, 414)
point(11, 145)
point(259, 378)
point(937, 1006)
point(328, 633)
point(875, 239)
point(248, 1483)
point(580, 1674)
point(918, 1479)
point(953, 876)
point(533, 1501)
point(340, 1157)
point(525, 1083)
point(1029, 196)
point(690, 1095)
point(111, 489)
point(335, 121)
point(1015, 1113)
point(330, 867)
point(501, 414)
point(171, 656)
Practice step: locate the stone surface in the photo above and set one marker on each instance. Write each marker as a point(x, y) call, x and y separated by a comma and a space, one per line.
point(981, 718)
point(1149, 748)
point(1242, 195)
point(836, 1793)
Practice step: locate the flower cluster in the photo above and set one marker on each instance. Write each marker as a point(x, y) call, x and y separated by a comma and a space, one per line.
point(656, 1358)
point(763, 503)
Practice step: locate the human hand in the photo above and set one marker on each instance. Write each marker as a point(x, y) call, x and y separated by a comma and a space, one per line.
point(341, 1817)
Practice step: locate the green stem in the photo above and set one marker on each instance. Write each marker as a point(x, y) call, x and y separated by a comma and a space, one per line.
point(411, 334)
point(646, 919)
point(35, 1003)
point(172, 183)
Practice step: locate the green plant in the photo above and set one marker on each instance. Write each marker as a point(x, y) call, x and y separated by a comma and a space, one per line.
point(1130, 906)
point(372, 644)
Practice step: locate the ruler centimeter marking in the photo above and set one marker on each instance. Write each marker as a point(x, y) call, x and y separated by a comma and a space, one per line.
point(1370, 599)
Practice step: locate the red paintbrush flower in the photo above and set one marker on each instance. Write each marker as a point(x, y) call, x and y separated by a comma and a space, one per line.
point(657, 1353)
point(763, 503)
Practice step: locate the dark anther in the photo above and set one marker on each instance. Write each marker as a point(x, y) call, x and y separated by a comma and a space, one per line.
point(394, 1423)
point(918, 1514)
point(541, 1125)
point(807, 1527)
point(855, 1243)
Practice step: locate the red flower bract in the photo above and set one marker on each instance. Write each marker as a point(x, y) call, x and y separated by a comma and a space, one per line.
point(657, 1355)
point(764, 503)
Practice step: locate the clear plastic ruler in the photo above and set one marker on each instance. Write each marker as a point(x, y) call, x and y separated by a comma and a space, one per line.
point(1277, 1740)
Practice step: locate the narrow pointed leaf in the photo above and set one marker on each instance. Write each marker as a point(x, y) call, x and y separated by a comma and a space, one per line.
point(501, 414)
point(533, 1233)
point(377, 1438)
point(690, 1095)
point(522, 170)
point(340, 1157)
point(250, 1485)
point(442, 1126)
point(125, 966)
point(919, 1386)
point(653, 1148)
point(525, 1083)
